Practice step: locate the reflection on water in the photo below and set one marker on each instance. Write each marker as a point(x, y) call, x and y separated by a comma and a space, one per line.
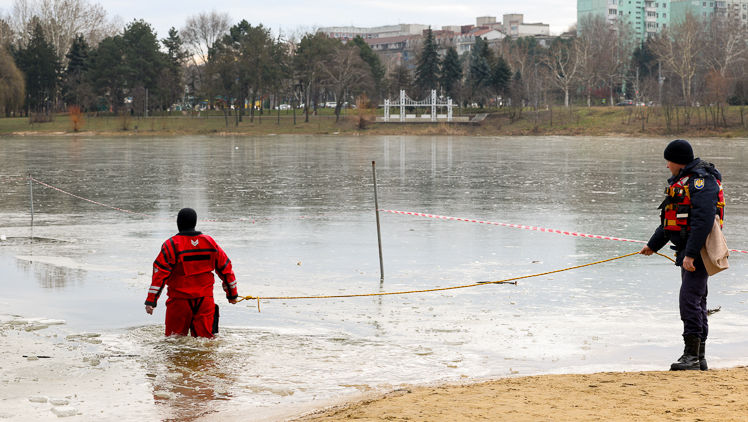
point(51, 275)
point(296, 217)
point(188, 374)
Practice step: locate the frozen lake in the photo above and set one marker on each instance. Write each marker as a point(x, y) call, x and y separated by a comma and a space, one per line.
point(296, 216)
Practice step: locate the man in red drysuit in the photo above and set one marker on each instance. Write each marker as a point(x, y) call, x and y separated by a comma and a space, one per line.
point(186, 264)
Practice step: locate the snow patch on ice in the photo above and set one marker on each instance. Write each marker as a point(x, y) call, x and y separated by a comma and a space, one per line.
point(64, 411)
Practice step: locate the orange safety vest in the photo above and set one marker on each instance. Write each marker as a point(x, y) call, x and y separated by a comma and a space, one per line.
point(677, 210)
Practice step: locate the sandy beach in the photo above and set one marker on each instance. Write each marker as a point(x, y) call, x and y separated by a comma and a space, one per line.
point(715, 395)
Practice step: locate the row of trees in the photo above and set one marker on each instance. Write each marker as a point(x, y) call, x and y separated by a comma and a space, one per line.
point(79, 59)
point(694, 62)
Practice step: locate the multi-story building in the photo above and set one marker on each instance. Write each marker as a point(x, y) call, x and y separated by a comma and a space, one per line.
point(735, 11)
point(646, 18)
point(350, 32)
point(513, 25)
point(398, 44)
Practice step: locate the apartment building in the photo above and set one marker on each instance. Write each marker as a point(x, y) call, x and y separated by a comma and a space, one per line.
point(649, 17)
point(346, 33)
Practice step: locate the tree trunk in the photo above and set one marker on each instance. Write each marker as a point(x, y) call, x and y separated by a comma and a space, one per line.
point(306, 103)
point(252, 107)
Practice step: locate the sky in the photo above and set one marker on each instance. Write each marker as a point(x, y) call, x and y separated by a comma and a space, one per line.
point(296, 16)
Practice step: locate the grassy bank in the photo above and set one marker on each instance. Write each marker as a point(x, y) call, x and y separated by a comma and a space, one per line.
point(595, 121)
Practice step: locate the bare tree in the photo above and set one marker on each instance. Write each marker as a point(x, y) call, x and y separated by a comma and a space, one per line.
point(565, 66)
point(201, 31)
point(523, 56)
point(680, 49)
point(6, 32)
point(593, 44)
point(199, 35)
point(62, 21)
point(346, 71)
point(612, 55)
point(399, 77)
point(727, 49)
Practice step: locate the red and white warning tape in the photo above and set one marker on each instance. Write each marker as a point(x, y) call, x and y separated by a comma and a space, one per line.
point(522, 226)
point(411, 213)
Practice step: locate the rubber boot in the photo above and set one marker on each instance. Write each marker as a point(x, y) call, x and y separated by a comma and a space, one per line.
point(690, 359)
point(702, 360)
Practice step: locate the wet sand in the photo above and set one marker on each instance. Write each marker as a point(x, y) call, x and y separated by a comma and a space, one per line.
point(715, 395)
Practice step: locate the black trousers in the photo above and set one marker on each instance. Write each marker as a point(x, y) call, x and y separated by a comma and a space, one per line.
point(692, 299)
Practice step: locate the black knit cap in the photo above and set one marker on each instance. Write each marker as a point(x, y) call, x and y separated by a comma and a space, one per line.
point(679, 152)
point(186, 219)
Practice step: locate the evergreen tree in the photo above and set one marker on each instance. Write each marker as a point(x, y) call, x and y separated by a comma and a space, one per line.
point(427, 70)
point(75, 86)
point(375, 65)
point(451, 74)
point(279, 71)
point(400, 78)
point(516, 88)
point(108, 72)
point(143, 63)
point(644, 59)
point(479, 74)
point(40, 65)
point(171, 76)
point(313, 51)
point(250, 48)
point(501, 75)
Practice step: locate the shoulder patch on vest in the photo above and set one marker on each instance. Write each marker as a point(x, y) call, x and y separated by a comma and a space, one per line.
point(698, 183)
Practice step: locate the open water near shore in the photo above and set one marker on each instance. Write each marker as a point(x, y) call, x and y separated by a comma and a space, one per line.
point(296, 216)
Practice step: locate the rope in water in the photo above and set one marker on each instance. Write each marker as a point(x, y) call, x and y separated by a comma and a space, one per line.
point(110, 206)
point(512, 280)
point(88, 200)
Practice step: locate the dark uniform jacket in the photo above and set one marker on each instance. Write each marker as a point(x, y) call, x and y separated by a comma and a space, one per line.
point(703, 208)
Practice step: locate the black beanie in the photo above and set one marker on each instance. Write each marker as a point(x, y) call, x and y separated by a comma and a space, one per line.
point(186, 219)
point(679, 152)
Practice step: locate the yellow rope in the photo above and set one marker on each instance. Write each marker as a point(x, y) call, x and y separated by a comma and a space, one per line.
point(512, 280)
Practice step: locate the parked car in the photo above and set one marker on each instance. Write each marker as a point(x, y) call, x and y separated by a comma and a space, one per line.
point(283, 107)
point(626, 103)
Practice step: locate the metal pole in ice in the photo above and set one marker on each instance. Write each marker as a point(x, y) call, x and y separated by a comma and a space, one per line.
point(379, 230)
point(31, 198)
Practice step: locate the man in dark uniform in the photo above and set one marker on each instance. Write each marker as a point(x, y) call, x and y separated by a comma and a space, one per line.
point(694, 197)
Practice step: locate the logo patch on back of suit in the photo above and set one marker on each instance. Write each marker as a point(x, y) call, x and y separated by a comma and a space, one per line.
point(698, 183)
point(196, 241)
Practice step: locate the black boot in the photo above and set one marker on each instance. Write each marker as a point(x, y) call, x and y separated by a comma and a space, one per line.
point(690, 358)
point(702, 360)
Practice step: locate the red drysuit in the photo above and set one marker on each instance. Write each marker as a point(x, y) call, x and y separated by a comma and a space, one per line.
point(186, 264)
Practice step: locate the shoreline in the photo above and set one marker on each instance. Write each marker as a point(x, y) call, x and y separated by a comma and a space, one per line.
point(596, 121)
point(434, 132)
point(430, 130)
point(714, 395)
